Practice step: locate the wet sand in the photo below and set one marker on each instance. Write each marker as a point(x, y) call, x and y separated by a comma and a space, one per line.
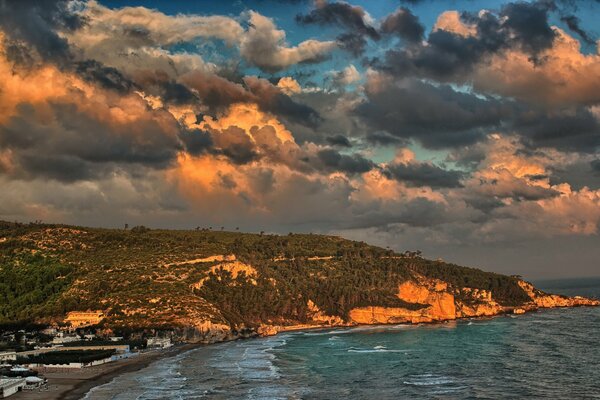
point(74, 384)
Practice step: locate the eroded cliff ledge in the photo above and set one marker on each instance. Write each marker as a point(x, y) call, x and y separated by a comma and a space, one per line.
point(439, 302)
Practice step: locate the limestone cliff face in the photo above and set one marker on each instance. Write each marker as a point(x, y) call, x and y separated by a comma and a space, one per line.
point(434, 293)
point(438, 304)
point(317, 318)
point(442, 303)
point(388, 315)
point(544, 300)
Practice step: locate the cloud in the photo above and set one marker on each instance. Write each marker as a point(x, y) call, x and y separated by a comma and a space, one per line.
point(347, 76)
point(264, 46)
point(354, 19)
point(289, 85)
point(338, 140)
point(350, 164)
point(438, 116)
point(404, 24)
point(424, 174)
point(572, 129)
point(574, 24)
point(450, 21)
point(140, 26)
point(566, 76)
point(451, 55)
point(37, 23)
point(109, 77)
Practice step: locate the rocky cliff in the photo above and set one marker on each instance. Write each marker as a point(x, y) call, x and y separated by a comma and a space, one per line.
point(443, 303)
point(213, 286)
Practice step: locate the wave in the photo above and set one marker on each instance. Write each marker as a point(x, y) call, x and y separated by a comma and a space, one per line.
point(428, 380)
point(376, 349)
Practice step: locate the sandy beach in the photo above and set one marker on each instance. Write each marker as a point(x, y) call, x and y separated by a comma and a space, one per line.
point(73, 385)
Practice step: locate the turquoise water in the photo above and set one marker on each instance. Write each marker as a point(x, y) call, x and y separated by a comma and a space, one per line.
point(549, 354)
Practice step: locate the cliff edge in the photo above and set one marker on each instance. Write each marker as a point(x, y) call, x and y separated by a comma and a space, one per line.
point(208, 286)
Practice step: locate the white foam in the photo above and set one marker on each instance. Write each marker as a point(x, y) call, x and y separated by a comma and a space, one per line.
point(376, 349)
point(428, 380)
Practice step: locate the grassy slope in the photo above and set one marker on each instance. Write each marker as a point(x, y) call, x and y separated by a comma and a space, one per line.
point(127, 273)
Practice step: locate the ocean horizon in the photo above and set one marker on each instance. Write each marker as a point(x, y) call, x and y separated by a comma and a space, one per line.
point(550, 353)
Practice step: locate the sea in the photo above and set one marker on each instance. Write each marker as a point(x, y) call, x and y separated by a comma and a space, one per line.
point(549, 354)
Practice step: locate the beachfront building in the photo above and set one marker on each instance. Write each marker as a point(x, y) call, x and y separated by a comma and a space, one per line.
point(81, 319)
point(8, 355)
point(159, 342)
point(10, 386)
point(62, 338)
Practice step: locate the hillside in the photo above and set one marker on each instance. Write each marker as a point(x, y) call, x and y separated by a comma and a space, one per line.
point(209, 285)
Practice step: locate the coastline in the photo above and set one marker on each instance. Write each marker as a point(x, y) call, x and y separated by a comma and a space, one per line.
point(74, 385)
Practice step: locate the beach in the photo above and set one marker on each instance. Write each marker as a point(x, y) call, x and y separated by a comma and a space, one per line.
point(74, 384)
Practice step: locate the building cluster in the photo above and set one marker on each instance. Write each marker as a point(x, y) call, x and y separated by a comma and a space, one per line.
point(27, 353)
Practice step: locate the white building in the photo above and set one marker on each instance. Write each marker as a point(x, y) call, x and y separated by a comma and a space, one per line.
point(62, 338)
point(159, 342)
point(10, 386)
point(8, 355)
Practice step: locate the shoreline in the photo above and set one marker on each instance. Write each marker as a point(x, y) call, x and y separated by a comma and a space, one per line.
point(75, 385)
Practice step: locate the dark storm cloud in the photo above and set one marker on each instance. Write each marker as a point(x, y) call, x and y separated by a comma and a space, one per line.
point(569, 129)
point(345, 16)
point(270, 98)
point(528, 24)
point(577, 174)
point(108, 77)
point(197, 141)
point(217, 93)
point(424, 174)
point(515, 189)
point(418, 212)
point(438, 116)
point(404, 24)
point(350, 164)
point(448, 55)
point(573, 23)
point(36, 22)
point(341, 14)
point(235, 144)
point(73, 145)
point(383, 138)
point(354, 43)
point(338, 140)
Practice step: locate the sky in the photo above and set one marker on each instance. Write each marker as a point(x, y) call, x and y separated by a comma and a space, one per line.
point(468, 130)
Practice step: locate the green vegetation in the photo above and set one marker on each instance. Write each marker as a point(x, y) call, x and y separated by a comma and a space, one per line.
point(30, 286)
point(283, 289)
point(133, 344)
point(505, 288)
point(66, 357)
point(149, 278)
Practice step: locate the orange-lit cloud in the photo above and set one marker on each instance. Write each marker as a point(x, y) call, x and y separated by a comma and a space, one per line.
point(565, 75)
point(450, 21)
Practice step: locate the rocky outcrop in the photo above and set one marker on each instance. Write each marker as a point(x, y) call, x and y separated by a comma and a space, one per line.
point(317, 319)
point(433, 293)
point(235, 268)
point(388, 315)
point(318, 316)
point(544, 300)
point(478, 309)
point(440, 303)
point(431, 299)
